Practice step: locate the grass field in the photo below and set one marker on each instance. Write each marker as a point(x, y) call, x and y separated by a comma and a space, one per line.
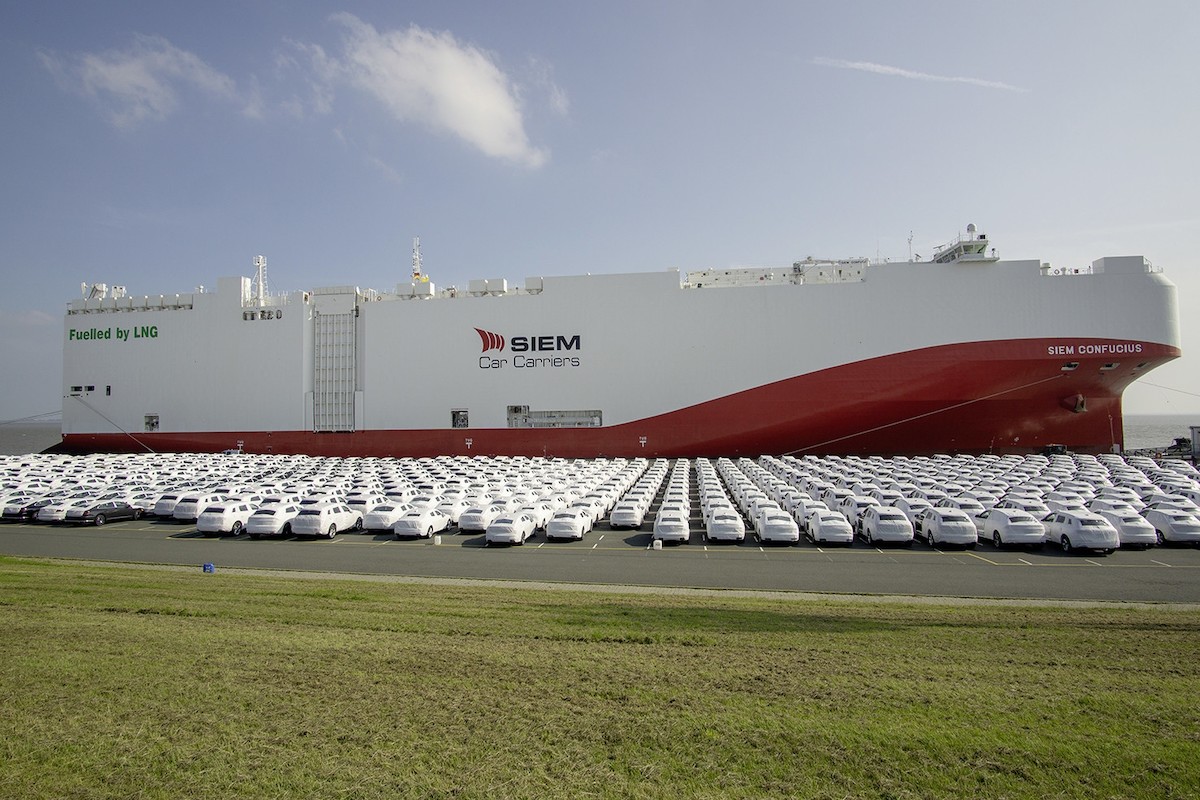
point(131, 683)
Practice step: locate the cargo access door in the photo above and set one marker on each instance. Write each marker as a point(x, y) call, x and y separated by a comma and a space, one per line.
point(334, 380)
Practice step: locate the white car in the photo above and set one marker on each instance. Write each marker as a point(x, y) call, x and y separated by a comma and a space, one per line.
point(327, 519)
point(540, 512)
point(1010, 526)
point(190, 506)
point(853, 507)
point(366, 503)
point(227, 517)
point(1172, 526)
point(824, 526)
point(671, 525)
point(942, 525)
point(510, 529)
point(725, 526)
point(272, 519)
point(453, 507)
point(57, 512)
point(627, 514)
point(882, 524)
point(1133, 529)
point(381, 518)
point(164, 507)
point(1081, 530)
point(776, 525)
point(912, 506)
point(477, 518)
point(569, 523)
point(424, 522)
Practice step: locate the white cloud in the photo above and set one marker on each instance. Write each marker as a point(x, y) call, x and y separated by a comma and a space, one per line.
point(543, 78)
point(883, 69)
point(432, 79)
point(142, 82)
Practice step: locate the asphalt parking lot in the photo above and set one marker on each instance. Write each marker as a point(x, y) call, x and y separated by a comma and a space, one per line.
point(605, 556)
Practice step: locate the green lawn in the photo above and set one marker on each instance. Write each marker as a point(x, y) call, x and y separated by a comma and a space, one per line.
point(121, 682)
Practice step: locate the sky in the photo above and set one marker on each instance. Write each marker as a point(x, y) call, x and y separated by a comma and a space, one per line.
point(160, 145)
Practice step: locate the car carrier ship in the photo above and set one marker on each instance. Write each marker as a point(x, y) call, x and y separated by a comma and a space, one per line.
point(961, 353)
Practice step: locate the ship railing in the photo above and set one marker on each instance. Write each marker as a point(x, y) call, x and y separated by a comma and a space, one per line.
point(281, 299)
point(123, 304)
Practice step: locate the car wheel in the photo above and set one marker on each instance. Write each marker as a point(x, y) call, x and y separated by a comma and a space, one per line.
point(236, 530)
point(137, 513)
point(996, 540)
point(332, 532)
point(930, 539)
point(1159, 536)
point(870, 539)
point(429, 532)
point(287, 529)
point(1066, 543)
point(99, 520)
point(358, 524)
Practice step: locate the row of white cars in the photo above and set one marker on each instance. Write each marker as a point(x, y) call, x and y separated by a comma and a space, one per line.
point(1074, 502)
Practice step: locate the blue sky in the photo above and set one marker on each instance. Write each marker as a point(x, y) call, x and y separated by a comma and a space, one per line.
point(160, 145)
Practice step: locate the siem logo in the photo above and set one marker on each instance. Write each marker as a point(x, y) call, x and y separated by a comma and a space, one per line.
point(491, 341)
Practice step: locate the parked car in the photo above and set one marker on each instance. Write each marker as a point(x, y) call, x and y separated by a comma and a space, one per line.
point(272, 519)
point(381, 518)
point(328, 519)
point(776, 525)
point(880, 524)
point(424, 522)
point(1133, 529)
point(671, 525)
point(1081, 530)
point(190, 506)
point(912, 506)
point(99, 513)
point(1172, 526)
point(726, 526)
point(57, 512)
point(477, 518)
point(25, 512)
point(226, 517)
point(1010, 526)
point(569, 523)
point(510, 529)
point(824, 526)
point(944, 525)
point(453, 508)
point(627, 514)
point(539, 512)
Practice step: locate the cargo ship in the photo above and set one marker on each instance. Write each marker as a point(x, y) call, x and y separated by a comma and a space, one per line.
point(960, 353)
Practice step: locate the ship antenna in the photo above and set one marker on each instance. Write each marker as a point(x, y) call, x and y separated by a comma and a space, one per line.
point(910, 247)
point(260, 264)
point(416, 259)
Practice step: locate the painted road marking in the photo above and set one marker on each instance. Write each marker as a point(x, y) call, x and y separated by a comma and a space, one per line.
point(1023, 561)
point(1160, 563)
point(1097, 563)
